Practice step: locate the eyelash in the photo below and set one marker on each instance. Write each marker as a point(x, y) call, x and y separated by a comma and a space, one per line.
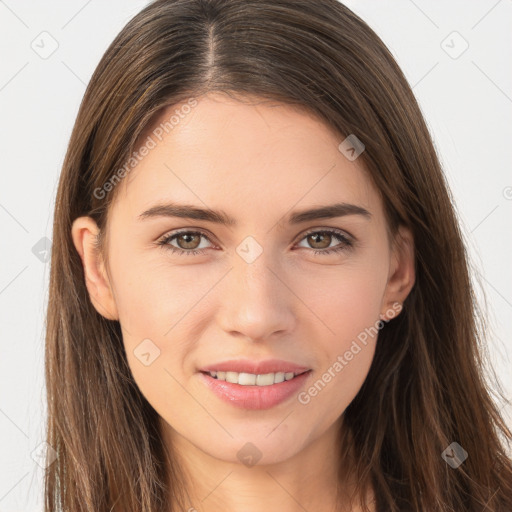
point(345, 245)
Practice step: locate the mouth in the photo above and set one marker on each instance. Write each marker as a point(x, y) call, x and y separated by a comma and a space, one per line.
point(252, 379)
point(251, 391)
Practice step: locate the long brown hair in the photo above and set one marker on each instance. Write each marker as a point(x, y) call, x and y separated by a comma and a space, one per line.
point(426, 387)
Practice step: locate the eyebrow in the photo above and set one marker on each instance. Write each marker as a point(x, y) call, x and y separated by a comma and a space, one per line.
point(218, 217)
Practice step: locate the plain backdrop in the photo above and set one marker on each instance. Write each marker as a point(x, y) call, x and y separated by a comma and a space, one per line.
point(455, 54)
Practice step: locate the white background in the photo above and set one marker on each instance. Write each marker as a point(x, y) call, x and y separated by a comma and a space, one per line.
point(467, 102)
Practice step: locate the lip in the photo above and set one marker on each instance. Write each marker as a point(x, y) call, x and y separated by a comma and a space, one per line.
point(254, 397)
point(255, 367)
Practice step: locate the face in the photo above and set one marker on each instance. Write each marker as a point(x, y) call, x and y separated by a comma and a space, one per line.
point(191, 292)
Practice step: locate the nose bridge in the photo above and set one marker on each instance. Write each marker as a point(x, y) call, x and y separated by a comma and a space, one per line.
point(257, 302)
point(254, 277)
point(252, 263)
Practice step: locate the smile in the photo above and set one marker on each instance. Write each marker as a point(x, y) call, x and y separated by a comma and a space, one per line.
point(251, 379)
point(254, 391)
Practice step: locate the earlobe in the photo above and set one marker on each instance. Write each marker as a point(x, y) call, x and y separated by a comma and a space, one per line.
point(84, 232)
point(402, 274)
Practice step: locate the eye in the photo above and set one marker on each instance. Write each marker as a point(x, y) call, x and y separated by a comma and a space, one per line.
point(189, 242)
point(322, 240)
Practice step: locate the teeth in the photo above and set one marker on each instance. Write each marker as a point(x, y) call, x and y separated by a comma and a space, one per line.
point(250, 379)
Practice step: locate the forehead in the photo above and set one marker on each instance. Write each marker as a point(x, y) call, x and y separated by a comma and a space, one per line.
point(252, 159)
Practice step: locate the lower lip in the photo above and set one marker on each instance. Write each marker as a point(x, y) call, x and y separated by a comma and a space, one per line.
point(255, 397)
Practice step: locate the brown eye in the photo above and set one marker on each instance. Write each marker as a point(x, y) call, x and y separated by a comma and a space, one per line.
point(319, 240)
point(190, 240)
point(185, 242)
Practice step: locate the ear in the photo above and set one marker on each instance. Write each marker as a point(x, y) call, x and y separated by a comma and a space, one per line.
point(401, 276)
point(84, 232)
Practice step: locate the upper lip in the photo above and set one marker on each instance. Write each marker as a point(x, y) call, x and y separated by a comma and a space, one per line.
point(255, 367)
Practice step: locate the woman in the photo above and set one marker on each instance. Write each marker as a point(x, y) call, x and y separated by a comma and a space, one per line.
point(259, 292)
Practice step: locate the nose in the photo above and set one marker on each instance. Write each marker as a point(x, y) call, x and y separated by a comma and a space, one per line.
point(257, 302)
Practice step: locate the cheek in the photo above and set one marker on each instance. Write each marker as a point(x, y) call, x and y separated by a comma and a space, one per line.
point(347, 300)
point(348, 304)
point(152, 295)
point(164, 304)
point(153, 312)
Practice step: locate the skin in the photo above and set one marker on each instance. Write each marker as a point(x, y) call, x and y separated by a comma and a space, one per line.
point(256, 163)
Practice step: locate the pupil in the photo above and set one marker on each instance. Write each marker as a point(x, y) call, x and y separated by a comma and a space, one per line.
point(187, 238)
point(321, 236)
